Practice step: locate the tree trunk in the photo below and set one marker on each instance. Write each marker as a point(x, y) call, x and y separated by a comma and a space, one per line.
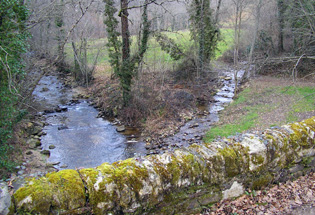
point(60, 34)
point(201, 38)
point(217, 12)
point(236, 33)
point(125, 73)
point(281, 10)
point(125, 30)
point(76, 62)
point(250, 57)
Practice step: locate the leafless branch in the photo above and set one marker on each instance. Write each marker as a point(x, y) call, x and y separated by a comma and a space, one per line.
point(294, 71)
point(74, 25)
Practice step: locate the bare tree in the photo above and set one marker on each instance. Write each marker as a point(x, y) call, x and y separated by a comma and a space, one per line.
point(239, 9)
point(257, 23)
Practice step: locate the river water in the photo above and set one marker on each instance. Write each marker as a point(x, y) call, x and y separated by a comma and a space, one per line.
point(76, 138)
point(74, 135)
point(194, 130)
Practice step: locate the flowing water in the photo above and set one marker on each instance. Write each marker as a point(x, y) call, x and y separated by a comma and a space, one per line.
point(77, 138)
point(194, 130)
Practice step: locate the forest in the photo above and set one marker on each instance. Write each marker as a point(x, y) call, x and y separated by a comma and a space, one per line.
point(164, 73)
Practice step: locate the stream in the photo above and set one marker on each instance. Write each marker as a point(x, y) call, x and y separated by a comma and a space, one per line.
point(194, 130)
point(77, 138)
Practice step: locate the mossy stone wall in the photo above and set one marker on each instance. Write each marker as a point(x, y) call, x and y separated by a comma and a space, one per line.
point(175, 182)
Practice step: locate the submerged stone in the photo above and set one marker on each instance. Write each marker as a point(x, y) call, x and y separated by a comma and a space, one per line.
point(45, 152)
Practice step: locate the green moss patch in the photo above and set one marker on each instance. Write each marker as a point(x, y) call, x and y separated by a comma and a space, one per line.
point(236, 159)
point(261, 181)
point(60, 191)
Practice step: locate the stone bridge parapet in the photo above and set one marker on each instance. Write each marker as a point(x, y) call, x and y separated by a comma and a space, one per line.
point(175, 182)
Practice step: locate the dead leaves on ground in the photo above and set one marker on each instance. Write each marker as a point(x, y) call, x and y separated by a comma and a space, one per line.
point(280, 199)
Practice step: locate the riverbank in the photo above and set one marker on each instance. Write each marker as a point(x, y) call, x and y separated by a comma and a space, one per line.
point(170, 113)
point(266, 102)
point(28, 157)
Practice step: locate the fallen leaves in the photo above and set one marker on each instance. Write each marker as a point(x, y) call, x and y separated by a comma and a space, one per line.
point(280, 199)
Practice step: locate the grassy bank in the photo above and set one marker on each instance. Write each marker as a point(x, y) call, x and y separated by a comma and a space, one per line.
point(266, 102)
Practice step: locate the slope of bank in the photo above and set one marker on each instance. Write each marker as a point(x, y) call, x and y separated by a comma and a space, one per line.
point(268, 102)
point(263, 103)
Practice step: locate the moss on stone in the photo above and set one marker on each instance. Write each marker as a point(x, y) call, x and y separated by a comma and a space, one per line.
point(236, 159)
point(59, 191)
point(120, 182)
point(177, 181)
point(127, 172)
point(300, 135)
point(262, 181)
point(231, 161)
point(310, 123)
point(306, 161)
point(257, 159)
point(174, 170)
point(105, 168)
point(215, 166)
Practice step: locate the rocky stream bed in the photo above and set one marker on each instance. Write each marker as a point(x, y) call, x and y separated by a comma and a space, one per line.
point(68, 132)
point(71, 133)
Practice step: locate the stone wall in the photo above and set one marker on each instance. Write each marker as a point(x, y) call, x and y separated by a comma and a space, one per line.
point(175, 182)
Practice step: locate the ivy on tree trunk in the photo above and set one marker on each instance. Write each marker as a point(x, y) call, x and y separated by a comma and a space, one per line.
point(204, 30)
point(123, 64)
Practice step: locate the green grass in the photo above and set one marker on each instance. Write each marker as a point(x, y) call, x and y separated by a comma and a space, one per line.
point(242, 97)
point(226, 43)
point(251, 109)
point(154, 58)
point(304, 104)
point(231, 129)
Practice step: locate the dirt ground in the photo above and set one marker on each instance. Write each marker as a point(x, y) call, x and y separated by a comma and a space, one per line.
point(293, 197)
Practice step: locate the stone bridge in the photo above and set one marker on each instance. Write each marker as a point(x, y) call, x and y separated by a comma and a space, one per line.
point(175, 182)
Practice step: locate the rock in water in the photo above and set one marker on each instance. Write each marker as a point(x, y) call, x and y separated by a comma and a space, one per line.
point(45, 152)
point(120, 128)
point(5, 199)
point(63, 127)
point(194, 125)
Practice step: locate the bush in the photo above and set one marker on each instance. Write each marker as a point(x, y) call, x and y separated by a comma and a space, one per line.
point(13, 37)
